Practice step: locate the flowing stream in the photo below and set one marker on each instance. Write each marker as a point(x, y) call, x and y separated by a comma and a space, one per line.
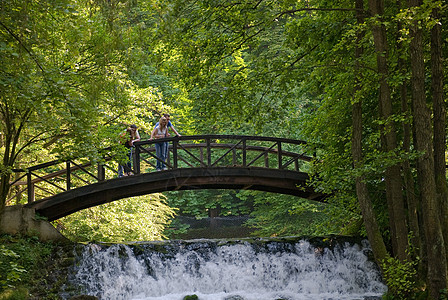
point(255, 269)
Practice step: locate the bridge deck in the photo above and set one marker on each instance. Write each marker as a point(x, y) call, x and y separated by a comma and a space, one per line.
point(195, 162)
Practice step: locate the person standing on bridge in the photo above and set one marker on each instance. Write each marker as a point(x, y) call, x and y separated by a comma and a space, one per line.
point(128, 138)
point(169, 124)
point(159, 132)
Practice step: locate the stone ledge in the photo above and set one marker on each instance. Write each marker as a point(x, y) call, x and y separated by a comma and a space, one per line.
point(18, 220)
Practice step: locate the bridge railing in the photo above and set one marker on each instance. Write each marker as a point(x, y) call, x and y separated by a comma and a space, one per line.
point(223, 151)
point(50, 178)
point(202, 151)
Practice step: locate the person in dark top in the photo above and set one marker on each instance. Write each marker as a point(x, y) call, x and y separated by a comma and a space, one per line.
point(128, 138)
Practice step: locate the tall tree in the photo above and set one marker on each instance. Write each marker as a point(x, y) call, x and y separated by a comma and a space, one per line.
point(62, 83)
point(368, 212)
point(423, 130)
point(408, 178)
point(437, 82)
point(397, 215)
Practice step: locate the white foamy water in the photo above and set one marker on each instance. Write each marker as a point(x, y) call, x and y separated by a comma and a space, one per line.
point(243, 271)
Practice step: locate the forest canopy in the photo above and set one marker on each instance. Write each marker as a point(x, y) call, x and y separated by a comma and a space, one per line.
point(361, 81)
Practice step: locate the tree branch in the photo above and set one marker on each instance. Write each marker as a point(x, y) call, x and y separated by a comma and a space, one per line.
point(22, 45)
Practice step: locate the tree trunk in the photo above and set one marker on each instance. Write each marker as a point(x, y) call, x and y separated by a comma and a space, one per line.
point(425, 167)
point(439, 123)
point(4, 190)
point(5, 176)
point(409, 184)
point(369, 218)
point(393, 180)
point(408, 178)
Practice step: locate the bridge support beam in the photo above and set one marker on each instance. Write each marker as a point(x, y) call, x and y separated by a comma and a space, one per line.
point(261, 179)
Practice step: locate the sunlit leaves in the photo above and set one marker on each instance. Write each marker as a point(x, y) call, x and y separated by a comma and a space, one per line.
point(233, 62)
point(63, 76)
point(141, 218)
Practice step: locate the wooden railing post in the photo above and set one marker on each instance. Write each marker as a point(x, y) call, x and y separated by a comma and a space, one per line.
point(280, 162)
point(136, 159)
point(209, 153)
point(175, 153)
point(67, 172)
point(101, 172)
point(234, 156)
point(30, 187)
point(244, 153)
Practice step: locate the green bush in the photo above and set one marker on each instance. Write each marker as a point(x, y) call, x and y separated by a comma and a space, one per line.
point(400, 278)
point(444, 294)
point(10, 270)
point(16, 294)
point(22, 261)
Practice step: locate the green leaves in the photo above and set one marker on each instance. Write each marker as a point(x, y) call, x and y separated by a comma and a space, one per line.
point(229, 56)
point(400, 277)
point(283, 215)
point(10, 270)
point(141, 218)
point(22, 263)
point(65, 88)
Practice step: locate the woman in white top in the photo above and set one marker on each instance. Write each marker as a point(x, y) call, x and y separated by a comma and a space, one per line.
point(161, 131)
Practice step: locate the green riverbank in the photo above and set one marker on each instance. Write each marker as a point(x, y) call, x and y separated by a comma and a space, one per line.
point(30, 269)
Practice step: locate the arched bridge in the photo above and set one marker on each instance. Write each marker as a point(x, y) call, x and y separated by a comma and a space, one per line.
point(57, 189)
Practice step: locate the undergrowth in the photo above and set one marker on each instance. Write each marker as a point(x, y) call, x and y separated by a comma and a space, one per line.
point(27, 268)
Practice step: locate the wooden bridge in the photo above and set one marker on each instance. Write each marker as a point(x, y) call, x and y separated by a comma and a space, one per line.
point(59, 188)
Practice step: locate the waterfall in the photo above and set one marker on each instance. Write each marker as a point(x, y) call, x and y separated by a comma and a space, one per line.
point(218, 270)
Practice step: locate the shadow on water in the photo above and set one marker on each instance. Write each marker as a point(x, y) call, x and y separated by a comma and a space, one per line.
point(214, 228)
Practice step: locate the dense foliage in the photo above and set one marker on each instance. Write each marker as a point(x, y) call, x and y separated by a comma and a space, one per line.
point(282, 215)
point(343, 70)
point(24, 267)
point(142, 218)
point(361, 81)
